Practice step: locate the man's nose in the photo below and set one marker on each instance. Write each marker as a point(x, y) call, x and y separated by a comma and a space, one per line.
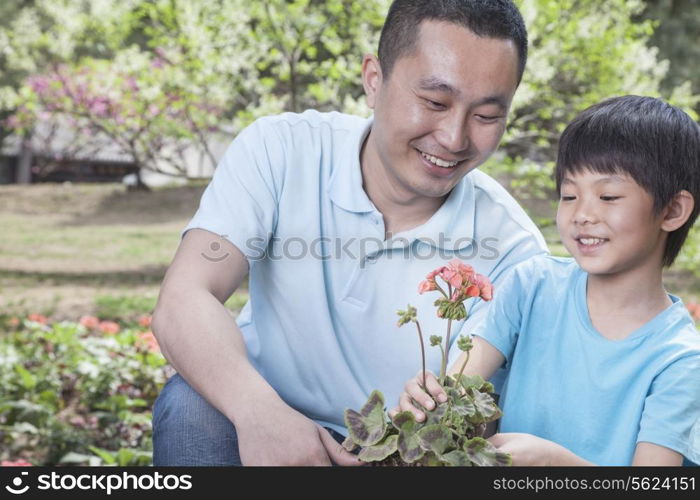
point(453, 135)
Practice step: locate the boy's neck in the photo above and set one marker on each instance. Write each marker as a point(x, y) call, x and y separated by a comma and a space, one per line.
point(619, 304)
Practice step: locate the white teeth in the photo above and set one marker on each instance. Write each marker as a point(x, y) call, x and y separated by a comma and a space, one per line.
point(591, 241)
point(437, 161)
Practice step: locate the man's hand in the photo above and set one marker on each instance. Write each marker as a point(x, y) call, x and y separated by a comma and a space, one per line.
point(281, 435)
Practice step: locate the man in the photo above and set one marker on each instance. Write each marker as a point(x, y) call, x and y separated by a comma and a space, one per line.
point(337, 219)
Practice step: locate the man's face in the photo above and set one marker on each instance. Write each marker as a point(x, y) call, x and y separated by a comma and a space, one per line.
point(442, 111)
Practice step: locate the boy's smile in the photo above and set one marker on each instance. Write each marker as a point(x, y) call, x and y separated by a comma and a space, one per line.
point(608, 223)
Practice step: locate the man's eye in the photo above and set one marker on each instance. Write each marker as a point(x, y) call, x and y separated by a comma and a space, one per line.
point(435, 104)
point(567, 198)
point(488, 118)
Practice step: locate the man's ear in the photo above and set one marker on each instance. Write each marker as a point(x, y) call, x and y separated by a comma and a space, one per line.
point(677, 211)
point(371, 78)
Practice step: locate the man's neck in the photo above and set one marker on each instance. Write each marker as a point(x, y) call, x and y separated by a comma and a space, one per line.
point(402, 209)
point(621, 303)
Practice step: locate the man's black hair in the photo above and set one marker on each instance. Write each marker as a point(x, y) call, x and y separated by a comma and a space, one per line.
point(485, 18)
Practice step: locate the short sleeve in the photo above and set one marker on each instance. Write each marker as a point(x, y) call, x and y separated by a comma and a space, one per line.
point(241, 201)
point(672, 408)
point(502, 323)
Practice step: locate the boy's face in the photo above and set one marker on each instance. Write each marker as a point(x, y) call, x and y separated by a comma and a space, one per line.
point(442, 111)
point(608, 224)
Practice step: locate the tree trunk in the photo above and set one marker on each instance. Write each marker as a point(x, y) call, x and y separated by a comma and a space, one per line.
point(24, 165)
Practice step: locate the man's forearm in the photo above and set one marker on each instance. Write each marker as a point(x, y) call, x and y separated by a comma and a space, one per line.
point(202, 341)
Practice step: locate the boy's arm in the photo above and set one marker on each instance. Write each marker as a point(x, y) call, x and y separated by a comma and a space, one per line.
point(654, 454)
point(484, 360)
point(526, 449)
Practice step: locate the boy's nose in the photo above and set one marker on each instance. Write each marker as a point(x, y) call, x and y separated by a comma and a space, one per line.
point(584, 214)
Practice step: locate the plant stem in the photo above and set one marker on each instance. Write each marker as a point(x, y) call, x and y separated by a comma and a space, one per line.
point(441, 290)
point(422, 352)
point(464, 365)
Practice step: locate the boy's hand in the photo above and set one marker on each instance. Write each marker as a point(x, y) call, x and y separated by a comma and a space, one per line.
point(415, 398)
point(526, 449)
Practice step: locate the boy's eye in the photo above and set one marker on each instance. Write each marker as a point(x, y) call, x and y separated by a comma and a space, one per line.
point(609, 198)
point(566, 197)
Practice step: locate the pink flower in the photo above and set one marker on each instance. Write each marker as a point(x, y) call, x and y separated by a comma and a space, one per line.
point(145, 321)
point(427, 286)
point(109, 327)
point(472, 291)
point(148, 340)
point(16, 463)
point(38, 318)
point(90, 322)
point(485, 286)
point(451, 276)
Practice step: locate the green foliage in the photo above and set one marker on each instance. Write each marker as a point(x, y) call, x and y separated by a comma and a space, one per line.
point(447, 436)
point(123, 307)
point(74, 395)
point(580, 54)
point(452, 433)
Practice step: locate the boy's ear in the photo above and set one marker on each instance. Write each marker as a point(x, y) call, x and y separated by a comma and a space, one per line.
point(677, 211)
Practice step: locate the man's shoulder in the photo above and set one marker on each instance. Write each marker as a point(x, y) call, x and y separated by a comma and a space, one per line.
point(493, 200)
point(489, 188)
point(312, 119)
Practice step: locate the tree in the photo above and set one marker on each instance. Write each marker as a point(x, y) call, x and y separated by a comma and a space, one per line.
point(581, 52)
point(676, 34)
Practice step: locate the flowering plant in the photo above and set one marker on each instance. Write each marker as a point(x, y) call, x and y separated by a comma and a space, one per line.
point(452, 433)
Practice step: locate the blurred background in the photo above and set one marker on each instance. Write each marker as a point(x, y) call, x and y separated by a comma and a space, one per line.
point(113, 115)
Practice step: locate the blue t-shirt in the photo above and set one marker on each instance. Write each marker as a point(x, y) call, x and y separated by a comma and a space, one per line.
point(569, 384)
point(324, 282)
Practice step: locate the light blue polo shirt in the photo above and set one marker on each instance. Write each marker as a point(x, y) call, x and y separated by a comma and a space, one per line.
point(320, 325)
point(595, 396)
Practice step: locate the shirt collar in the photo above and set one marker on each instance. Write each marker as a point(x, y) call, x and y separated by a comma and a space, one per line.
point(345, 185)
point(450, 228)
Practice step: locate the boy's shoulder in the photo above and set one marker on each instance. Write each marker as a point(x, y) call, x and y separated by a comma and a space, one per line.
point(547, 268)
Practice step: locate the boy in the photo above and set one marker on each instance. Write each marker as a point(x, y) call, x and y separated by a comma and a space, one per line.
point(603, 364)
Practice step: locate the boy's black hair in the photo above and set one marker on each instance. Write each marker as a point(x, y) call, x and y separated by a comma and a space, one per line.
point(485, 18)
point(656, 144)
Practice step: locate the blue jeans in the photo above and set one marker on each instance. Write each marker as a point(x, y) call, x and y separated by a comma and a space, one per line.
point(188, 431)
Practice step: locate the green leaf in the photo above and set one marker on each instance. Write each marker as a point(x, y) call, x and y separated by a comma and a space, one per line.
point(435, 415)
point(485, 406)
point(368, 426)
point(380, 450)
point(464, 406)
point(408, 442)
point(483, 453)
point(436, 438)
point(471, 381)
point(457, 458)
point(28, 380)
point(105, 455)
point(349, 444)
